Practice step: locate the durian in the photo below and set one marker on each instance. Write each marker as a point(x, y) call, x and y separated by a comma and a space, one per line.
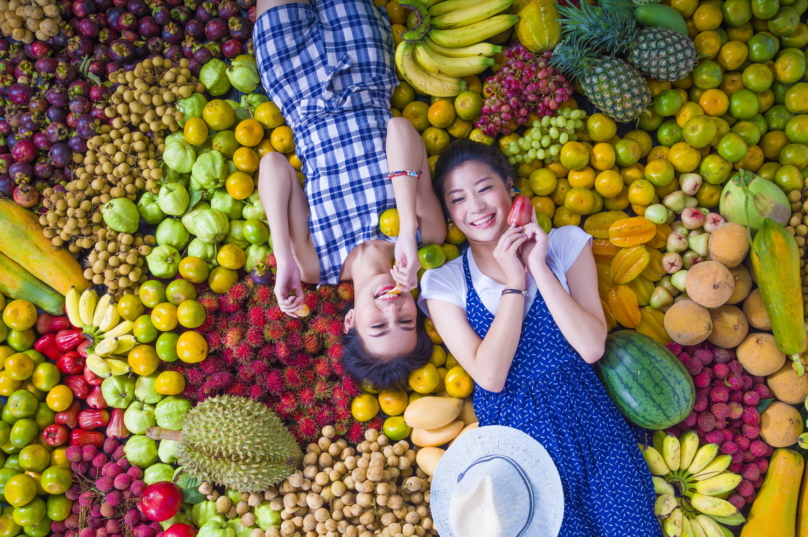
point(236, 442)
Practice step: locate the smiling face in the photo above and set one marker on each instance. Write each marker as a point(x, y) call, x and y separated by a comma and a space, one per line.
point(478, 200)
point(385, 322)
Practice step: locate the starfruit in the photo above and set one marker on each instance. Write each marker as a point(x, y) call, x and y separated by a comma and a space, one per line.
point(611, 323)
point(660, 238)
point(604, 251)
point(628, 264)
point(631, 231)
point(605, 283)
point(643, 289)
point(623, 304)
point(598, 224)
point(652, 325)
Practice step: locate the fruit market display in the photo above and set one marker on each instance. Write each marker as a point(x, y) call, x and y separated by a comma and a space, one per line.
point(154, 388)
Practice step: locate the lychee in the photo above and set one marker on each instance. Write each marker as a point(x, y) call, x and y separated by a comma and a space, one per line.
point(720, 410)
point(751, 416)
point(719, 394)
point(675, 348)
point(721, 370)
point(742, 442)
point(737, 500)
point(694, 366)
point(706, 421)
point(763, 391)
point(714, 437)
point(704, 356)
point(750, 472)
point(728, 448)
point(745, 488)
point(722, 356)
point(750, 431)
point(751, 398)
point(758, 448)
point(735, 381)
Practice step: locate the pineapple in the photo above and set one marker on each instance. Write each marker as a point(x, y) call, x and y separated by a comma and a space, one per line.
point(613, 85)
point(659, 53)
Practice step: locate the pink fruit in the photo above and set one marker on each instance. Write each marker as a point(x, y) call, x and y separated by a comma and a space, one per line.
point(742, 442)
point(706, 421)
point(702, 380)
point(735, 381)
point(751, 432)
point(180, 530)
point(729, 448)
point(161, 501)
point(26, 196)
point(705, 356)
point(737, 500)
point(758, 448)
point(751, 472)
point(751, 398)
point(721, 370)
point(714, 437)
point(751, 416)
point(763, 391)
point(745, 488)
point(719, 394)
point(720, 410)
point(701, 403)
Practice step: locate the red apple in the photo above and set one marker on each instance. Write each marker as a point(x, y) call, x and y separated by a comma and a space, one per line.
point(161, 501)
point(180, 530)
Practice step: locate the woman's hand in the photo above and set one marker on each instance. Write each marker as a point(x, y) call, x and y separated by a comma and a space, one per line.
point(507, 255)
point(288, 279)
point(534, 252)
point(405, 271)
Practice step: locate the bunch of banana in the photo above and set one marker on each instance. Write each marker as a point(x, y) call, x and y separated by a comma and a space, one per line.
point(98, 318)
point(109, 356)
point(447, 42)
point(692, 485)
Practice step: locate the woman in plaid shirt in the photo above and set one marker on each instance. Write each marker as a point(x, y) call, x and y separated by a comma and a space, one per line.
point(329, 67)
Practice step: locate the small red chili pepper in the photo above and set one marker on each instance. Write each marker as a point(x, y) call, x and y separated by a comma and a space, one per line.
point(519, 214)
point(47, 346)
point(68, 340)
point(77, 385)
point(47, 323)
point(80, 437)
point(91, 378)
point(96, 398)
point(55, 435)
point(70, 363)
point(90, 420)
point(116, 427)
point(69, 417)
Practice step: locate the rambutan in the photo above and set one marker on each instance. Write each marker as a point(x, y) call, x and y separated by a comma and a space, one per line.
point(218, 382)
point(306, 429)
point(275, 314)
point(243, 352)
point(238, 389)
point(238, 293)
point(274, 381)
point(342, 414)
point(311, 300)
point(255, 336)
point(351, 387)
point(272, 262)
point(229, 356)
point(375, 423)
point(287, 404)
point(246, 373)
point(282, 350)
point(294, 340)
point(257, 316)
point(340, 397)
point(233, 337)
point(336, 352)
point(319, 324)
point(222, 324)
point(239, 318)
point(257, 392)
point(267, 353)
point(293, 325)
point(330, 309)
point(336, 328)
point(292, 378)
point(327, 292)
point(306, 373)
point(311, 343)
point(214, 340)
point(209, 301)
point(207, 325)
point(322, 389)
point(228, 306)
point(324, 416)
point(194, 376)
point(355, 433)
point(210, 365)
point(273, 332)
point(263, 294)
point(345, 291)
point(260, 368)
point(306, 397)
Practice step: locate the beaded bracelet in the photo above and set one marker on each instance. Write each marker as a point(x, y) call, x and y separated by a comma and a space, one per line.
point(514, 292)
point(391, 175)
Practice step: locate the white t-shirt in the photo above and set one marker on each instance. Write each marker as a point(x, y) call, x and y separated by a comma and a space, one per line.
point(448, 283)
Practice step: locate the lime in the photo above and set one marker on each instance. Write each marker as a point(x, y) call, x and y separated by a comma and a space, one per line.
point(784, 22)
point(650, 120)
point(714, 169)
point(56, 479)
point(669, 133)
point(431, 256)
point(731, 147)
point(748, 131)
point(29, 514)
point(762, 48)
point(34, 458)
point(757, 77)
point(58, 507)
point(744, 104)
point(21, 340)
point(788, 178)
point(256, 231)
point(144, 329)
point(777, 117)
point(699, 131)
point(178, 291)
point(22, 404)
point(668, 102)
point(167, 346)
point(627, 152)
point(40, 529)
point(395, 428)
point(707, 74)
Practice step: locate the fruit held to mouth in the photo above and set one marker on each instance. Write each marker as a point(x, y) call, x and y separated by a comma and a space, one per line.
point(520, 211)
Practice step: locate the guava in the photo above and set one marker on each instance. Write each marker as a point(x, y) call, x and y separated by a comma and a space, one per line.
point(209, 171)
point(211, 225)
point(206, 147)
point(188, 218)
point(266, 517)
point(179, 155)
point(160, 472)
point(253, 209)
point(231, 167)
point(191, 107)
point(243, 74)
point(149, 209)
point(236, 234)
point(171, 176)
point(144, 389)
point(251, 101)
point(171, 411)
point(225, 143)
point(179, 135)
point(168, 451)
point(173, 199)
point(201, 512)
point(121, 214)
point(242, 114)
point(140, 451)
point(171, 232)
point(255, 253)
point(223, 201)
point(139, 417)
point(213, 76)
point(240, 529)
point(164, 261)
point(203, 250)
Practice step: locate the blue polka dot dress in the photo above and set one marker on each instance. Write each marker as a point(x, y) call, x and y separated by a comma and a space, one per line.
point(555, 397)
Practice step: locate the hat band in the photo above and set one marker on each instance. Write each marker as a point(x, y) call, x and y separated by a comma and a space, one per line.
point(522, 475)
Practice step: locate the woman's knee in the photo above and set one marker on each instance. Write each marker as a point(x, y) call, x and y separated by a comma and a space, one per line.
point(400, 127)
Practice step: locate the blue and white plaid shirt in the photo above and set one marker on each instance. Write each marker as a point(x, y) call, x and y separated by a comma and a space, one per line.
point(329, 67)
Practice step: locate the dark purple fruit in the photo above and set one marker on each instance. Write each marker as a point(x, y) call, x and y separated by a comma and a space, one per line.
point(107, 36)
point(65, 74)
point(112, 67)
point(38, 104)
point(83, 8)
point(5, 46)
point(174, 3)
point(173, 53)
point(252, 14)
point(97, 68)
point(6, 161)
point(7, 186)
point(41, 141)
point(206, 12)
point(87, 126)
point(181, 14)
point(79, 105)
point(46, 67)
point(172, 34)
point(138, 8)
point(216, 29)
point(232, 48)
point(43, 170)
point(77, 144)
point(24, 68)
point(246, 4)
point(61, 155)
point(5, 128)
point(240, 28)
point(20, 93)
point(103, 5)
point(121, 50)
point(30, 121)
point(113, 15)
point(215, 49)
point(194, 66)
point(89, 28)
point(228, 9)
point(37, 50)
point(97, 111)
point(155, 45)
point(202, 55)
point(195, 29)
point(99, 93)
point(24, 150)
point(162, 15)
point(189, 46)
point(79, 46)
point(56, 114)
point(72, 120)
point(130, 36)
point(127, 21)
point(148, 27)
point(21, 172)
point(79, 88)
point(26, 196)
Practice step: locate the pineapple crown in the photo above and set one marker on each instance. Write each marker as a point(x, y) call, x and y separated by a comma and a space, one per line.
point(574, 56)
point(612, 30)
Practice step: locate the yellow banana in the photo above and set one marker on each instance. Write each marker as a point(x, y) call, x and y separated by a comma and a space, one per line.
point(709, 526)
point(673, 524)
point(710, 505)
point(479, 49)
point(719, 484)
point(448, 6)
point(87, 303)
point(426, 83)
point(664, 506)
point(118, 367)
point(72, 299)
point(98, 365)
point(656, 464)
point(431, 3)
point(733, 520)
point(101, 309)
point(106, 346)
point(698, 531)
point(124, 327)
point(125, 344)
point(689, 444)
point(435, 63)
point(719, 464)
point(671, 452)
point(110, 319)
point(703, 457)
point(658, 439)
point(474, 33)
point(469, 15)
point(662, 487)
point(687, 531)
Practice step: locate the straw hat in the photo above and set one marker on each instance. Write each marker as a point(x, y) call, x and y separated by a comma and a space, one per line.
point(498, 482)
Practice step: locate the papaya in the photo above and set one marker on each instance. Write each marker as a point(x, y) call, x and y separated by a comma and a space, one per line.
point(774, 513)
point(660, 16)
point(538, 28)
point(17, 283)
point(22, 240)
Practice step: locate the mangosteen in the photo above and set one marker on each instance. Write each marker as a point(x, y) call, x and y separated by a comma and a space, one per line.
point(172, 34)
point(38, 49)
point(56, 114)
point(103, 5)
point(216, 29)
point(121, 50)
point(83, 8)
point(97, 111)
point(252, 14)
point(113, 15)
point(26, 196)
point(206, 12)
point(74, 25)
point(61, 155)
point(119, 3)
point(148, 27)
point(65, 74)
point(189, 46)
point(6, 161)
point(240, 28)
point(89, 28)
point(79, 88)
point(112, 67)
point(6, 186)
point(130, 36)
point(24, 68)
point(99, 92)
point(46, 67)
point(79, 46)
point(72, 120)
point(5, 128)
point(174, 3)
point(21, 172)
point(173, 53)
point(138, 8)
point(38, 104)
point(24, 150)
point(30, 121)
point(43, 170)
point(194, 66)
point(101, 53)
point(65, 9)
point(127, 21)
point(161, 14)
point(215, 49)
point(79, 105)
point(140, 49)
point(11, 141)
point(77, 144)
point(20, 93)
point(107, 36)
point(193, 4)
point(181, 14)
point(246, 4)
point(203, 55)
point(228, 9)
point(87, 126)
point(41, 141)
point(59, 41)
point(195, 29)
point(5, 46)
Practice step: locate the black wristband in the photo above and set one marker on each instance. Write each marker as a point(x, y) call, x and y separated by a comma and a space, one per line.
point(514, 292)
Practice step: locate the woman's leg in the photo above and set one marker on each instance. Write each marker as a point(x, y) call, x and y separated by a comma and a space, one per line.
point(406, 152)
point(287, 211)
point(264, 5)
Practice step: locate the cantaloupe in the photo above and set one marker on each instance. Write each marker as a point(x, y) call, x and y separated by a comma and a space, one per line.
point(755, 311)
point(436, 437)
point(743, 284)
point(729, 327)
point(709, 284)
point(432, 412)
point(729, 244)
point(759, 355)
point(787, 386)
point(688, 323)
point(780, 425)
point(428, 458)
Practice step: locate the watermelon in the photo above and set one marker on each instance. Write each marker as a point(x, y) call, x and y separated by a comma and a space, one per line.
point(648, 384)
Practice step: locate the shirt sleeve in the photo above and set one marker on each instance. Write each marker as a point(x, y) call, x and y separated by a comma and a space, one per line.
point(446, 283)
point(566, 245)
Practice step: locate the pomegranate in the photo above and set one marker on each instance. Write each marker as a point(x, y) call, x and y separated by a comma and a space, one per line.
point(160, 501)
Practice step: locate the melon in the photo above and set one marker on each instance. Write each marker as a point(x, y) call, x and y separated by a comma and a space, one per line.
point(749, 194)
point(648, 384)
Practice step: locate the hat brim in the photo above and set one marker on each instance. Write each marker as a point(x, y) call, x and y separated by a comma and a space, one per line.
point(534, 460)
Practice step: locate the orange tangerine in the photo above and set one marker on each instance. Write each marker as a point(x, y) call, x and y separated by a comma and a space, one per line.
point(295, 161)
point(239, 185)
point(442, 113)
point(714, 102)
point(543, 205)
point(707, 17)
point(732, 55)
point(583, 178)
point(688, 110)
point(731, 82)
point(282, 139)
point(268, 115)
point(579, 200)
point(602, 156)
point(683, 157)
point(246, 159)
point(467, 105)
point(263, 147)
point(641, 192)
point(632, 173)
point(708, 44)
point(608, 183)
point(417, 113)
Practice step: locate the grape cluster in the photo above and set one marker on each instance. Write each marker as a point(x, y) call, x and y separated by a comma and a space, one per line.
point(526, 84)
point(105, 492)
point(544, 140)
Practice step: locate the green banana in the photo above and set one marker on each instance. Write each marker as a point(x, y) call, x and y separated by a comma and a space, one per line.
point(469, 15)
point(473, 33)
point(656, 464)
point(478, 49)
point(719, 484)
point(661, 486)
point(426, 83)
point(689, 442)
point(733, 520)
point(671, 452)
point(704, 456)
point(451, 5)
point(718, 465)
point(422, 21)
point(444, 65)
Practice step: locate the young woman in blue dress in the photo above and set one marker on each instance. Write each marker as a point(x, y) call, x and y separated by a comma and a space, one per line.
point(520, 312)
point(328, 65)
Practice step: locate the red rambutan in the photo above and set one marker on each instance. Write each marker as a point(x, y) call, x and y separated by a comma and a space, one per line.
point(306, 397)
point(222, 324)
point(260, 368)
point(243, 352)
point(355, 433)
point(309, 378)
point(282, 350)
point(319, 324)
point(207, 324)
point(322, 367)
point(293, 325)
point(257, 392)
point(209, 301)
point(228, 306)
point(194, 376)
point(287, 404)
point(239, 318)
point(218, 382)
point(342, 413)
point(311, 342)
point(263, 294)
point(327, 292)
point(255, 336)
point(351, 387)
point(340, 397)
point(245, 373)
point(292, 378)
point(345, 291)
point(229, 356)
point(210, 365)
point(214, 340)
point(267, 353)
point(273, 332)
point(233, 337)
point(238, 293)
point(294, 340)
point(239, 389)
point(330, 309)
point(322, 389)
point(306, 429)
point(375, 423)
point(275, 314)
point(257, 316)
point(311, 300)
point(274, 381)
point(324, 416)
point(336, 352)
point(271, 261)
